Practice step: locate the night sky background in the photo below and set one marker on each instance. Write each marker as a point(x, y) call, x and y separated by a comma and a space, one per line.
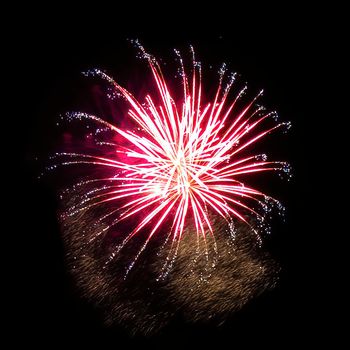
point(285, 54)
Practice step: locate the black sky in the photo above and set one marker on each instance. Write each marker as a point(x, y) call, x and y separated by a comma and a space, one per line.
point(280, 53)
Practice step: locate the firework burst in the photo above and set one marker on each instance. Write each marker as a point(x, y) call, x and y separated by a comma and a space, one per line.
point(181, 162)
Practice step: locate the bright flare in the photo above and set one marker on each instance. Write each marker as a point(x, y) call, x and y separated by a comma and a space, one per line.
point(182, 162)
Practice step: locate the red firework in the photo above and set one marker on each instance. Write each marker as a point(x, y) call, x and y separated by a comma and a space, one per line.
point(182, 160)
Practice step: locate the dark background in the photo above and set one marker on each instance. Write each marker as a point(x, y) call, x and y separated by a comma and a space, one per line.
point(284, 53)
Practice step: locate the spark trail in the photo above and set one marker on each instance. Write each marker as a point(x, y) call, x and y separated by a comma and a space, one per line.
point(181, 161)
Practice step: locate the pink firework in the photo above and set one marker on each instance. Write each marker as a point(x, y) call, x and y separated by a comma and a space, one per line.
point(182, 162)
